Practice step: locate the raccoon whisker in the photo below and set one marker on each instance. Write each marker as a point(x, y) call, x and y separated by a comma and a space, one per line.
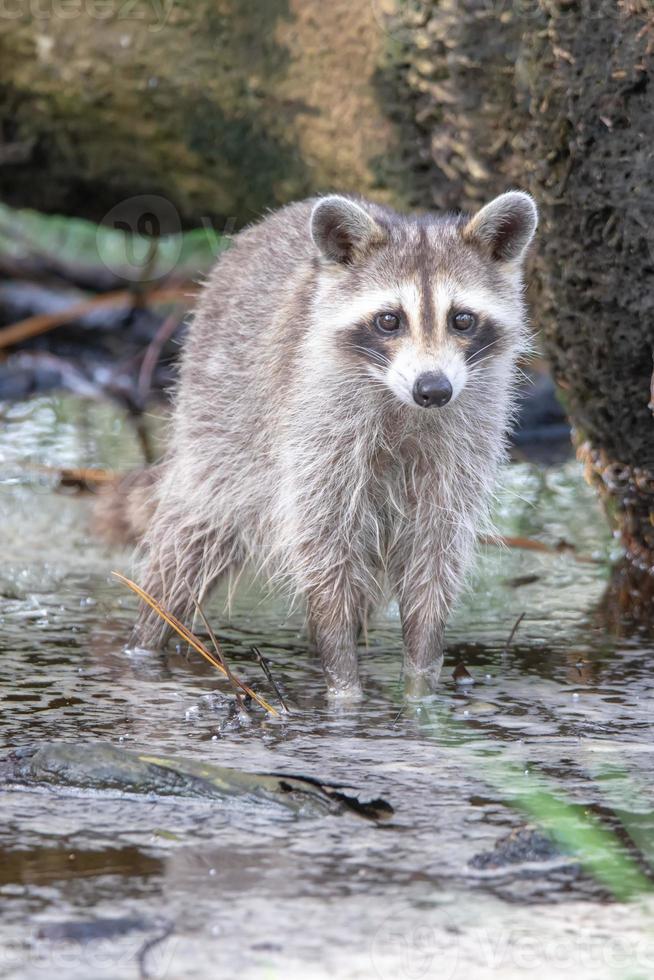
point(377, 382)
point(491, 344)
point(478, 363)
point(373, 379)
point(523, 374)
point(376, 355)
point(481, 350)
point(478, 373)
point(380, 386)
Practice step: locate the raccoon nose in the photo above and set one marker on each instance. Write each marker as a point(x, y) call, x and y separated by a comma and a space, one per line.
point(432, 389)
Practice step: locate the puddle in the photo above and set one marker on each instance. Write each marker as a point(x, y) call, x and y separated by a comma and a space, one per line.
point(257, 892)
point(43, 866)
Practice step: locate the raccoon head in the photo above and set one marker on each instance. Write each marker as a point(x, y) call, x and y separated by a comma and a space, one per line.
point(427, 306)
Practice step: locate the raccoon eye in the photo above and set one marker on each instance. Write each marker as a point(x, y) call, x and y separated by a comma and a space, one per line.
point(464, 321)
point(387, 322)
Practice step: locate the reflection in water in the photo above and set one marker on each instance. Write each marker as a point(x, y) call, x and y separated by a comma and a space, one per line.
point(255, 894)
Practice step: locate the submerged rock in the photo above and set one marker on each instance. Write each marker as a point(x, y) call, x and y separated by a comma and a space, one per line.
point(102, 766)
point(524, 845)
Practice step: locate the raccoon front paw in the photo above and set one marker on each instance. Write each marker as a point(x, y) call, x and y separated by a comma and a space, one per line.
point(344, 693)
point(421, 684)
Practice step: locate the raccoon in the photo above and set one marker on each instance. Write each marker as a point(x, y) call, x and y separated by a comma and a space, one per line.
point(344, 397)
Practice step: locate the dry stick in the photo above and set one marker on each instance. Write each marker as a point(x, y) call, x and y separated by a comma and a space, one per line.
point(513, 631)
point(190, 638)
point(530, 544)
point(153, 353)
point(16, 333)
point(72, 474)
point(271, 680)
point(219, 653)
point(399, 715)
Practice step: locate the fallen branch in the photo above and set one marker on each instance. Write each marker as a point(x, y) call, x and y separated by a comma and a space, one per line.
point(33, 326)
point(531, 544)
point(73, 476)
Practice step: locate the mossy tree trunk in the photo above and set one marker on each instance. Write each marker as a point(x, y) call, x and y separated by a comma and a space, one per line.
point(223, 107)
point(591, 78)
point(557, 96)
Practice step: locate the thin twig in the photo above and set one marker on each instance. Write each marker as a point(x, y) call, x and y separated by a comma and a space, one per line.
point(531, 544)
point(399, 715)
point(216, 646)
point(271, 680)
point(153, 353)
point(513, 631)
point(72, 475)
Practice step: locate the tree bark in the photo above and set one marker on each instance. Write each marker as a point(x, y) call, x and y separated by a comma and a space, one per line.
point(557, 96)
point(592, 161)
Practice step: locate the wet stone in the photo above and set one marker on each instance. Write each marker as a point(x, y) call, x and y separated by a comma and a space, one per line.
point(522, 846)
point(102, 766)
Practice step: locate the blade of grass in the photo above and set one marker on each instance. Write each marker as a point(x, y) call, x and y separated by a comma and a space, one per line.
point(189, 638)
point(595, 845)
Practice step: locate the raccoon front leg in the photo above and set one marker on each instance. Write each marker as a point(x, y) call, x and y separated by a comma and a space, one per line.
point(335, 618)
point(363, 622)
point(179, 569)
point(423, 647)
point(425, 595)
point(422, 633)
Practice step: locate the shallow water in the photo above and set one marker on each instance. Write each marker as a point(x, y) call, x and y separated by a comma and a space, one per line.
point(248, 889)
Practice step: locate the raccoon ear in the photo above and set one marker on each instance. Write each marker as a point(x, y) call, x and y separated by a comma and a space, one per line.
point(505, 227)
point(342, 230)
